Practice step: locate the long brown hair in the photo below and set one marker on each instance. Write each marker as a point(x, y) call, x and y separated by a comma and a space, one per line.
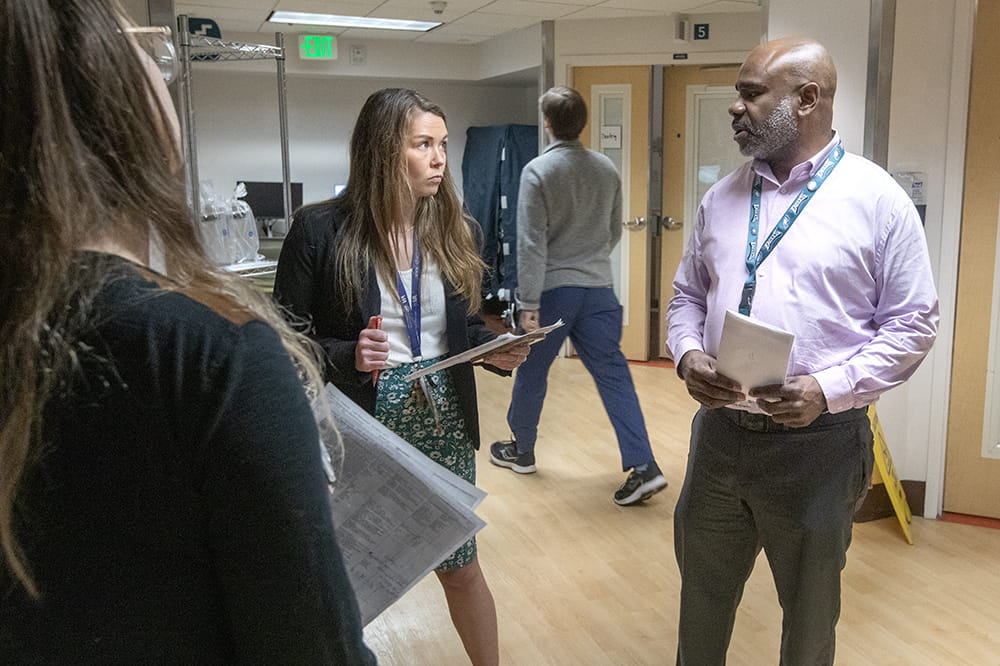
point(84, 155)
point(375, 199)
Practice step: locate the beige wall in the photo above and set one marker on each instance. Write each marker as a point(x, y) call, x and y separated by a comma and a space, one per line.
point(933, 48)
point(971, 480)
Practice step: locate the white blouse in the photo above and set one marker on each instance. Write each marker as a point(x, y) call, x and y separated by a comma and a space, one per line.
point(433, 342)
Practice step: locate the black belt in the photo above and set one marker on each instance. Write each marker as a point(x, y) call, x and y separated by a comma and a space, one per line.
point(764, 423)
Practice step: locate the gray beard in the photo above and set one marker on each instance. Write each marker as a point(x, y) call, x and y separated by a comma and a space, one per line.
point(777, 131)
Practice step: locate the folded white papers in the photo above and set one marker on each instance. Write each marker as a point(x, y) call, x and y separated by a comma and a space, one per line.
point(753, 353)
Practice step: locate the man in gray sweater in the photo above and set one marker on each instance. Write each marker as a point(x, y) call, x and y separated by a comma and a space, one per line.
point(569, 219)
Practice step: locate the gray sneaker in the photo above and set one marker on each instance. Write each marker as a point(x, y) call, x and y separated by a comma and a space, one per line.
point(504, 454)
point(640, 486)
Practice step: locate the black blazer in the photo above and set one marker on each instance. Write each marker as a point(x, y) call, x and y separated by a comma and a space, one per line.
point(306, 287)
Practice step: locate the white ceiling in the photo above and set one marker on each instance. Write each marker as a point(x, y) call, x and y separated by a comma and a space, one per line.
point(465, 21)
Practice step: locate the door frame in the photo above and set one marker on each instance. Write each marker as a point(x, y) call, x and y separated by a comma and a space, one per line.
point(625, 90)
point(684, 89)
point(692, 95)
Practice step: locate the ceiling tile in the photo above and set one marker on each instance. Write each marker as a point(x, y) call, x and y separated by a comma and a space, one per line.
point(454, 37)
point(467, 29)
point(602, 12)
point(539, 10)
point(661, 7)
point(577, 3)
point(726, 6)
point(250, 5)
point(497, 23)
point(456, 6)
point(349, 7)
point(415, 12)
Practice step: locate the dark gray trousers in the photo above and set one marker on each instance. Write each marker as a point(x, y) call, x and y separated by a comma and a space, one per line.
point(753, 484)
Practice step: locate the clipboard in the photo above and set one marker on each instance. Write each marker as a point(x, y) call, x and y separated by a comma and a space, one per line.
point(497, 344)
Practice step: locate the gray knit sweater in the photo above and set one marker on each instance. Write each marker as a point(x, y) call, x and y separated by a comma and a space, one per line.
point(569, 212)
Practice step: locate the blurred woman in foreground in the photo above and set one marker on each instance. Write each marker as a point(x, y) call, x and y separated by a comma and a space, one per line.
point(154, 506)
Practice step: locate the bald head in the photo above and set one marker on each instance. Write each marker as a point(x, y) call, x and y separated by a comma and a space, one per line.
point(797, 60)
point(785, 108)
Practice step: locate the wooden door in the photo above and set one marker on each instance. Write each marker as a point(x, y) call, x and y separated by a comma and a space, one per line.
point(618, 103)
point(695, 123)
point(972, 478)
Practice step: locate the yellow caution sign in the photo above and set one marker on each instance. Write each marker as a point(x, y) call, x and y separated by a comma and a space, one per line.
point(883, 459)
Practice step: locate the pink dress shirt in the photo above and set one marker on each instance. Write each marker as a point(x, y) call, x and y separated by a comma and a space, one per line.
point(851, 278)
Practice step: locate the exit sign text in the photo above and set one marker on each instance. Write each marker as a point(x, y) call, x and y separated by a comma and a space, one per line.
point(317, 47)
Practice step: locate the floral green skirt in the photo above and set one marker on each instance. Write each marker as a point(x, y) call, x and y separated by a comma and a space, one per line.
point(402, 408)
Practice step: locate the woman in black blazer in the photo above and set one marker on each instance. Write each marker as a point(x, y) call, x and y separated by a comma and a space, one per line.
point(387, 277)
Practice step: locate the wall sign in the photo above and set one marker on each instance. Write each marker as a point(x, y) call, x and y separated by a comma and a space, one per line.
point(204, 27)
point(701, 31)
point(611, 136)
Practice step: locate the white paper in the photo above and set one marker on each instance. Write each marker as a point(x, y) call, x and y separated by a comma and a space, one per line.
point(753, 353)
point(611, 136)
point(497, 344)
point(397, 513)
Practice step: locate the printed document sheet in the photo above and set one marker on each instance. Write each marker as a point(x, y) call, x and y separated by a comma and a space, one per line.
point(397, 513)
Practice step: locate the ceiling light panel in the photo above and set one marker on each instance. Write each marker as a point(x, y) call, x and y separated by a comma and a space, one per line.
point(335, 20)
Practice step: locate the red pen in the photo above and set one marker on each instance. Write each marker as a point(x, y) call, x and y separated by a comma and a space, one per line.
point(375, 322)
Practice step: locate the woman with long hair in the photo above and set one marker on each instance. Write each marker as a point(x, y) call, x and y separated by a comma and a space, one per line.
point(154, 506)
point(396, 248)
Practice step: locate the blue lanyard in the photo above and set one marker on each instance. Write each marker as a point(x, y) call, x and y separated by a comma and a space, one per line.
point(755, 257)
point(411, 304)
point(411, 318)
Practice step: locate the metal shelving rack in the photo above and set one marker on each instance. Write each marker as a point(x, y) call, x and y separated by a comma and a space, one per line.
point(194, 48)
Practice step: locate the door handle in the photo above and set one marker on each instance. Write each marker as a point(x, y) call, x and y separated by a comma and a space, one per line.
point(669, 224)
point(635, 224)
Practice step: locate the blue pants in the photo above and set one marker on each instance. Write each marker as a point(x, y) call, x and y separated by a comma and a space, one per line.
point(593, 322)
point(753, 484)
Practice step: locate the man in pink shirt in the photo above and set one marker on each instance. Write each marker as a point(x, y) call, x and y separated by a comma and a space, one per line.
point(823, 244)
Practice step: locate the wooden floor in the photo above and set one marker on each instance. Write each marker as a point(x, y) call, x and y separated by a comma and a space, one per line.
point(581, 581)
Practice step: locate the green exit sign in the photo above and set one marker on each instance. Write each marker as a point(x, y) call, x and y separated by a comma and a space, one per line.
point(317, 47)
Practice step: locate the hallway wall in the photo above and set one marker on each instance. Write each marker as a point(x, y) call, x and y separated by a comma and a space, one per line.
point(236, 119)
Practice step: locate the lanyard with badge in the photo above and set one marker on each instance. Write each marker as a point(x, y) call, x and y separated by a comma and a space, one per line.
point(411, 319)
point(755, 257)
